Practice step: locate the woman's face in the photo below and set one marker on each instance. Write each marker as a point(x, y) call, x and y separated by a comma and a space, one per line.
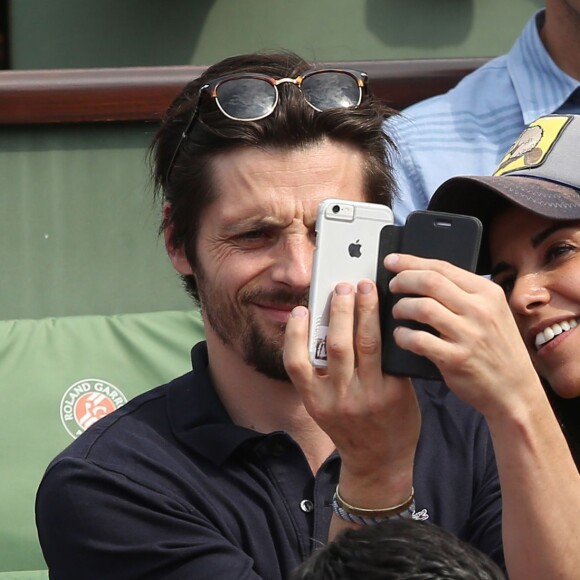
point(536, 260)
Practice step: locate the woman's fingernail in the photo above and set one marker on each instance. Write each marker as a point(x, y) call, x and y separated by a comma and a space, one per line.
point(391, 259)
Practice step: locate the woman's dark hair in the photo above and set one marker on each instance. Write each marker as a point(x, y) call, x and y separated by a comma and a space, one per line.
point(567, 412)
point(293, 125)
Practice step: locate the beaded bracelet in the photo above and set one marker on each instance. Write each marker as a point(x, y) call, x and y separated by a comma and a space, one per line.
point(366, 517)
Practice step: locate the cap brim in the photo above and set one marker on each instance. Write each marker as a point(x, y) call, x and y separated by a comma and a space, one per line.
point(482, 197)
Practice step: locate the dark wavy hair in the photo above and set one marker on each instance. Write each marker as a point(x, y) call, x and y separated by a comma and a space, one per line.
point(398, 549)
point(293, 125)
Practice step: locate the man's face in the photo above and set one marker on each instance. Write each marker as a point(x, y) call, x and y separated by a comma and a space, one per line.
point(256, 241)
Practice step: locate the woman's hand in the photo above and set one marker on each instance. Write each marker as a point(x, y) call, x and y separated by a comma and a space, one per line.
point(479, 350)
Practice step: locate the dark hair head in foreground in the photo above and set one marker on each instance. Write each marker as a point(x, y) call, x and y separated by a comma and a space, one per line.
point(398, 549)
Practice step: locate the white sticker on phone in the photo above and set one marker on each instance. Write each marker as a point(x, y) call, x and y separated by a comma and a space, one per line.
point(320, 344)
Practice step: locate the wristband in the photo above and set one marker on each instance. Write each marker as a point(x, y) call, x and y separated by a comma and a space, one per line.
point(365, 517)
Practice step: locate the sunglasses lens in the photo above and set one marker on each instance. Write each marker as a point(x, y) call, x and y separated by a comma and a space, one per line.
point(331, 90)
point(246, 99)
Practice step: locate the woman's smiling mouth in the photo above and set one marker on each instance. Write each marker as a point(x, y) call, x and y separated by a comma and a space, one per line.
point(554, 330)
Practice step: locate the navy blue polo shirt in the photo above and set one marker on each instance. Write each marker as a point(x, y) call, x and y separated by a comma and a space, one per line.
point(167, 487)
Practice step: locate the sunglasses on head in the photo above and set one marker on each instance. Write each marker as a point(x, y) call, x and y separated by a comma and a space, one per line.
point(254, 96)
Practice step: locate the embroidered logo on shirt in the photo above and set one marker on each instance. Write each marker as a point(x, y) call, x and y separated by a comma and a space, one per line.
point(420, 515)
point(87, 401)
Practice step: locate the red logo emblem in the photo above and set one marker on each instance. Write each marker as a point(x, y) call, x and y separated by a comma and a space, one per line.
point(87, 401)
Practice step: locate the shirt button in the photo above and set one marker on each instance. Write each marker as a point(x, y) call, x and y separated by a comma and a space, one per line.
point(306, 506)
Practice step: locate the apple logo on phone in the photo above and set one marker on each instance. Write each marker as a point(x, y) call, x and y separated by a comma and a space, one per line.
point(354, 250)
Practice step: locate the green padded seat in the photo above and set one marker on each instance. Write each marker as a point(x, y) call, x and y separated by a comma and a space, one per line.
point(25, 575)
point(57, 377)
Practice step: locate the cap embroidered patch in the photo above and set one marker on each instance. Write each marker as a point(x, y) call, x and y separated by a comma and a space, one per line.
point(533, 145)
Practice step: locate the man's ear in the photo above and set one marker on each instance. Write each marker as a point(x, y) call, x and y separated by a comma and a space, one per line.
point(176, 253)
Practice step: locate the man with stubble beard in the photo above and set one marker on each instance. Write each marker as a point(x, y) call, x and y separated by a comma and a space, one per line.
point(244, 466)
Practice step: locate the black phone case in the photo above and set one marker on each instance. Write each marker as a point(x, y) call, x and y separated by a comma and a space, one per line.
point(450, 237)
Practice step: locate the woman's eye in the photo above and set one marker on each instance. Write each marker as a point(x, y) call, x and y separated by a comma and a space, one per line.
point(506, 283)
point(558, 250)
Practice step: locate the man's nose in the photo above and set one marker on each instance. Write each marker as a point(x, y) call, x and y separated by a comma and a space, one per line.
point(293, 265)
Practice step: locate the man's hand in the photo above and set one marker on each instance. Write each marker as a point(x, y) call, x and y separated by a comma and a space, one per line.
point(373, 419)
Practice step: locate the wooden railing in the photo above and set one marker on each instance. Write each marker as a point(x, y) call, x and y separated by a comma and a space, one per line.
point(142, 94)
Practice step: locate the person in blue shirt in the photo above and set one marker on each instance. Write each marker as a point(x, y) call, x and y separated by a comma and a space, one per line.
point(467, 130)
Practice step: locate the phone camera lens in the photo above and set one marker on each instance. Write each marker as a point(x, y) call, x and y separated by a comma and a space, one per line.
point(335, 208)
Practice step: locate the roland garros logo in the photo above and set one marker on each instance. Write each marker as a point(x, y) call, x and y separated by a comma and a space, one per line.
point(87, 401)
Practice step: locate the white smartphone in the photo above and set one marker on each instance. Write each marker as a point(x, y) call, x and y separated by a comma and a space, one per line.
point(347, 248)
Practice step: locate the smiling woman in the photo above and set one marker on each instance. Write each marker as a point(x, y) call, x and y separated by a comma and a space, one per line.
point(531, 213)
point(505, 344)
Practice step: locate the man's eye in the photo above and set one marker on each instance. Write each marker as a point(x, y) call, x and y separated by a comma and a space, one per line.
point(254, 234)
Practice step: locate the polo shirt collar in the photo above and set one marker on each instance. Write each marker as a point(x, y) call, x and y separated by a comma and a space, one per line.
point(541, 86)
point(198, 417)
